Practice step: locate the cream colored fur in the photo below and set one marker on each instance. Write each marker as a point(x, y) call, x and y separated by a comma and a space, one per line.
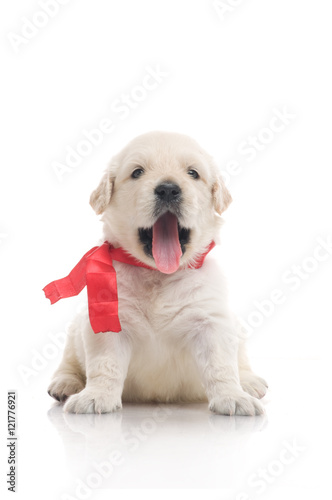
point(179, 341)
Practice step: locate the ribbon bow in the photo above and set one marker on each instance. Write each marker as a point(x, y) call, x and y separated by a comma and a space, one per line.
point(96, 271)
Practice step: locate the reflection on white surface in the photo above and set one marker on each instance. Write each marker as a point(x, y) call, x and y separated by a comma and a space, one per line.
point(281, 455)
point(169, 441)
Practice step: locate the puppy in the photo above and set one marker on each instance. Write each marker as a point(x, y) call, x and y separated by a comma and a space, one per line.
point(161, 199)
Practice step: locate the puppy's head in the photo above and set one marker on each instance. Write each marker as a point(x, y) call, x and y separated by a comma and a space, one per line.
point(161, 200)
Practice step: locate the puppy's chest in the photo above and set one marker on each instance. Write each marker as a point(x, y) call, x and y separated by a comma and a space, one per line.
point(159, 298)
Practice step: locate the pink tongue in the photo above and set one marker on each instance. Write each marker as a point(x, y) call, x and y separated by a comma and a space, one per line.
point(166, 248)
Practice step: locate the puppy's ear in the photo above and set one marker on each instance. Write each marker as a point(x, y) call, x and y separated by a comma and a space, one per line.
point(221, 196)
point(101, 196)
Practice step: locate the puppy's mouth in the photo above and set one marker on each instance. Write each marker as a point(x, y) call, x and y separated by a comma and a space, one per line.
point(165, 242)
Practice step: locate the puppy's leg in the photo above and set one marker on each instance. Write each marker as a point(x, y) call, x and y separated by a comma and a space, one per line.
point(250, 382)
point(215, 349)
point(107, 359)
point(69, 378)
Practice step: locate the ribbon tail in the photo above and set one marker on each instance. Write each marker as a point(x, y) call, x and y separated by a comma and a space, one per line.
point(102, 292)
point(72, 284)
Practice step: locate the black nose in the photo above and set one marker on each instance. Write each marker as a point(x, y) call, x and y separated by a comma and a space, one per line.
point(168, 192)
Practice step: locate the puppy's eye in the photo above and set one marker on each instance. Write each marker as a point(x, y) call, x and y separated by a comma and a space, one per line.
point(193, 173)
point(137, 173)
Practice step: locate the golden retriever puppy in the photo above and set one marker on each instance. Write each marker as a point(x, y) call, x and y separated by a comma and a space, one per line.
point(161, 199)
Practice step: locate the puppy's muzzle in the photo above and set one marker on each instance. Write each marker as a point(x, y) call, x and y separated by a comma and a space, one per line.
point(168, 198)
point(168, 193)
point(166, 231)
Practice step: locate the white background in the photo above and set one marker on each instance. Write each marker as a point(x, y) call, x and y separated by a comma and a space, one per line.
point(224, 77)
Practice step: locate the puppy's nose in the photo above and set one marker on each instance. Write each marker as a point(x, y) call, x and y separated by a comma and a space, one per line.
point(168, 192)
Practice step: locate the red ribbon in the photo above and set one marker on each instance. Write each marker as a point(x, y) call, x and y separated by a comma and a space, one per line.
point(96, 271)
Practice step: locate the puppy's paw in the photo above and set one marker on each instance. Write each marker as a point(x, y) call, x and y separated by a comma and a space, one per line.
point(93, 401)
point(64, 385)
point(253, 384)
point(237, 403)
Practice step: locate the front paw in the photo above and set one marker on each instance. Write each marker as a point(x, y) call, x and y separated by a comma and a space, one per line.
point(253, 384)
point(64, 385)
point(236, 403)
point(92, 400)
